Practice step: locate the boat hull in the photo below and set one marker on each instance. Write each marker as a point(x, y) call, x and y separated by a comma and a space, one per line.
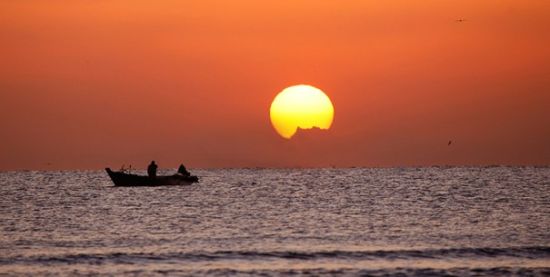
point(121, 179)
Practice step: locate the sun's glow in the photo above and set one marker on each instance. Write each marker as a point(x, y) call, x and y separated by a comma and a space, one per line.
point(300, 106)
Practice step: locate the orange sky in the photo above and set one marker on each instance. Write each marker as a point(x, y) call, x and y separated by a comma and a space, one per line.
point(89, 84)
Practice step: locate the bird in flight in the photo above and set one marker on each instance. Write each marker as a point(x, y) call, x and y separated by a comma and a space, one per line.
point(450, 141)
point(460, 20)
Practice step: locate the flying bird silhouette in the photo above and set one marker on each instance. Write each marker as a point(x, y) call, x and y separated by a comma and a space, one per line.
point(460, 20)
point(450, 141)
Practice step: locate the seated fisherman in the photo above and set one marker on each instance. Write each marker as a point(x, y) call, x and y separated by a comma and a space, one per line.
point(152, 169)
point(183, 171)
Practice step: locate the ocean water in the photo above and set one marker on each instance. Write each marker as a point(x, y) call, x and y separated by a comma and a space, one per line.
point(459, 221)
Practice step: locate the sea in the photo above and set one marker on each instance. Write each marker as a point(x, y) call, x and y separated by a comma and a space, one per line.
point(428, 221)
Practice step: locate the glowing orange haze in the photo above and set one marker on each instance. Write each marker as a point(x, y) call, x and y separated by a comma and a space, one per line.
point(88, 84)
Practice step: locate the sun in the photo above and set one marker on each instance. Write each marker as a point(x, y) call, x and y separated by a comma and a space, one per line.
point(300, 106)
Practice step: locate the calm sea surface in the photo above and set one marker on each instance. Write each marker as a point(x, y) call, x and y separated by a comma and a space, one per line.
point(411, 221)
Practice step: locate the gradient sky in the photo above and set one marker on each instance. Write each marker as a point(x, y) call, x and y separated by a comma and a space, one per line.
point(90, 84)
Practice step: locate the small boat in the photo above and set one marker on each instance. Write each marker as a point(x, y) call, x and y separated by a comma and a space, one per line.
point(132, 180)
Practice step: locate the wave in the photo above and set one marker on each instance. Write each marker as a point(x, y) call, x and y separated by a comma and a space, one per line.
point(537, 252)
point(458, 271)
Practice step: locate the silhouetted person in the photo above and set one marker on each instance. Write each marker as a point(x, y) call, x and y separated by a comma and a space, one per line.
point(183, 171)
point(152, 169)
